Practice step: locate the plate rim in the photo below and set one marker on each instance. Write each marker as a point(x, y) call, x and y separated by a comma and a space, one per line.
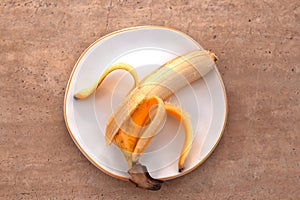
point(121, 31)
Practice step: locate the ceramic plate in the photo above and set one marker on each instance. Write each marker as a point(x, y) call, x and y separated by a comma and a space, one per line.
point(145, 48)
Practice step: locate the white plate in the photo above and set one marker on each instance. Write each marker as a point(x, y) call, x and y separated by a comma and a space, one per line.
point(145, 48)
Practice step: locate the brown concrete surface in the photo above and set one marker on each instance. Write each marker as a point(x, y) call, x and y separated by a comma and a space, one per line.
point(259, 49)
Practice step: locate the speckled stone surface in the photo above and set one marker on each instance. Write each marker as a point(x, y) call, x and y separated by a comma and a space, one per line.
point(259, 49)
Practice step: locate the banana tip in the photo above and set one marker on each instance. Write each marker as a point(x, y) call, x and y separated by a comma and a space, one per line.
point(213, 56)
point(76, 97)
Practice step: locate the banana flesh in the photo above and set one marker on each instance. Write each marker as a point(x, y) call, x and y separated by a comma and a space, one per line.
point(136, 120)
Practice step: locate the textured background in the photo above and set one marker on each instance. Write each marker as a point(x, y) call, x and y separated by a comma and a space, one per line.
point(259, 49)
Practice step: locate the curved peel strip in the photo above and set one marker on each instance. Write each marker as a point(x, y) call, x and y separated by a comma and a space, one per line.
point(84, 93)
point(183, 117)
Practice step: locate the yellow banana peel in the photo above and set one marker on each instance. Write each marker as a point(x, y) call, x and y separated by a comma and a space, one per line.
point(136, 120)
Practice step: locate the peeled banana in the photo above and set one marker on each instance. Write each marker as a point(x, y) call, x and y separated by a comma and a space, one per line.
point(136, 120)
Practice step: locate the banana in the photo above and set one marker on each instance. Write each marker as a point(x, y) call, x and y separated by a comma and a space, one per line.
point(138, 117)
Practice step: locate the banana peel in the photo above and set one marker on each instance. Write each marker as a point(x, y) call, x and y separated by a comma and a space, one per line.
point(138, 117)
